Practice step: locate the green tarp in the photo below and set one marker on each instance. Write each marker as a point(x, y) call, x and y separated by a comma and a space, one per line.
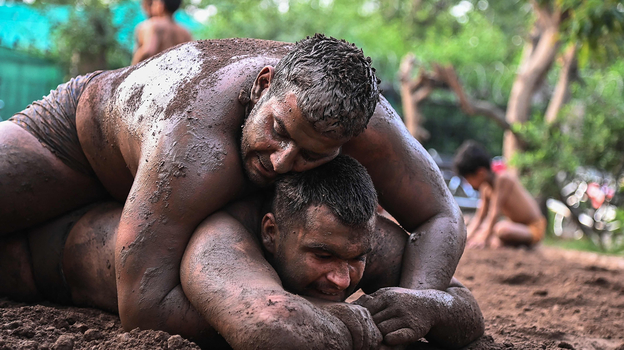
point(24, 79)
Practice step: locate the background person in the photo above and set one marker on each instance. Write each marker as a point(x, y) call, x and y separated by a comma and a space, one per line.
point(501, 194)
point(160, 31)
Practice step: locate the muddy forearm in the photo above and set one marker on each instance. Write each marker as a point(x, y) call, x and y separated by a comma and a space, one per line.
point(288, 322)
point(433, 252)
point(459, 320)
point(148, 278)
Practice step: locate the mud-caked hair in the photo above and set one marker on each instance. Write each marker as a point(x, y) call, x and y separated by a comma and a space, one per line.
point(343, 185)
point(335, 84)
point(470, 157)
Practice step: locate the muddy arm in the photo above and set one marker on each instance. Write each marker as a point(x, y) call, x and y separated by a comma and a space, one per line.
point(460, 320)
point(170, 196)
point(450, 318)
point(411, 188)
point(234, 288)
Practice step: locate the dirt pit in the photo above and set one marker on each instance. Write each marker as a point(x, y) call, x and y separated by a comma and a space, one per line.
point(543, 298)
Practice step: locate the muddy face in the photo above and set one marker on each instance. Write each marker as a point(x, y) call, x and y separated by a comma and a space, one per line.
point(277, 139)
point(320, 258)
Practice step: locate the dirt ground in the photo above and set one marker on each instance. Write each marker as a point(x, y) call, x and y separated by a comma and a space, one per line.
point(543, 298)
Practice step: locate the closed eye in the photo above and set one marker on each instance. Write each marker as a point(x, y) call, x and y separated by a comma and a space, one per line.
point(360, 258)
point(279, 128)
point(311, 157)
point(322, 256)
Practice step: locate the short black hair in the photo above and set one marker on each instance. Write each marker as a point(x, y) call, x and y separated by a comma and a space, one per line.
point(343, 185)
point(471, 156)
point(171, 5)
point(335, 84)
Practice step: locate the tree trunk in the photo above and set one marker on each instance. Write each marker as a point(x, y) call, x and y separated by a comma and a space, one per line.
point(412, 93)
point(536, 63)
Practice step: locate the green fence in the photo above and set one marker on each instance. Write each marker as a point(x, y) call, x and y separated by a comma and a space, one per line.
point(24, 79)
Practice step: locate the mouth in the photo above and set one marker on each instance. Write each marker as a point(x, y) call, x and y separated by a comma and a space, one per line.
point(337, 296)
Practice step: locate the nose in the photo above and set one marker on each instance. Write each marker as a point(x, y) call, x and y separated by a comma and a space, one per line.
point(284, 159)
point(340, 276)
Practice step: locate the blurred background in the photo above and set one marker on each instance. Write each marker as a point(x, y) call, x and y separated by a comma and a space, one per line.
point(539, 83)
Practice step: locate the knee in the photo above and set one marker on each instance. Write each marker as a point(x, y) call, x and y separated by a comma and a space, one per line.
point(502, 230)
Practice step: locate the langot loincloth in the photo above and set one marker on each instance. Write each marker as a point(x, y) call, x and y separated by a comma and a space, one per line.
point(52, 120)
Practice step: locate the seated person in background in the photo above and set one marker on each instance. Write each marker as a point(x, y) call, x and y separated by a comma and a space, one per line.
point(298, 255)
point(159, 32)
point(501, 194)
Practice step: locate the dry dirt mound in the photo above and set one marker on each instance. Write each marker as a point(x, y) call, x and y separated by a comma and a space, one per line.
point(538, 299)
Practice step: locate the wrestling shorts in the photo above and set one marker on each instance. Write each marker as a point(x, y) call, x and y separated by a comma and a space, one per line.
point(52, 120)
point(538, 229)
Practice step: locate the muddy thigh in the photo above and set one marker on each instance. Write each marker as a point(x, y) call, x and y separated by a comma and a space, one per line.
point(88, 259)
point(16, 277)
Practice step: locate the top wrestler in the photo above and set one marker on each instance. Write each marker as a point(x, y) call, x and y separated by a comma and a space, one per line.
point(164, 137)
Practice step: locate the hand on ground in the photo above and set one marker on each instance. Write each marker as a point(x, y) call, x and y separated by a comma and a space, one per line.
point(402, 315)
point(478, 241)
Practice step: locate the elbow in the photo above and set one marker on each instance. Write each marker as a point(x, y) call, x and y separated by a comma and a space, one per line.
point(466, 329)
point(292, 328)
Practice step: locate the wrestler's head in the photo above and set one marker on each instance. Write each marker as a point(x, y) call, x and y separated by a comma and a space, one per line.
point(146, 5)
point(472, 161)
point(320, 229)
point(160, 7)
point(318, 96)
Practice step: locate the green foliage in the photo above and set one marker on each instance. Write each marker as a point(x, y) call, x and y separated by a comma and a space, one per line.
point(589, 133)
point(597, 26)
point(90, 38)
point(346, 19)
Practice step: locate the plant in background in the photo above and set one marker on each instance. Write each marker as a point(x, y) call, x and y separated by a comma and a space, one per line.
point(87, 41)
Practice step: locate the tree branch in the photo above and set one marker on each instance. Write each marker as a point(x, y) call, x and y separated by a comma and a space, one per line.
point(563, 84)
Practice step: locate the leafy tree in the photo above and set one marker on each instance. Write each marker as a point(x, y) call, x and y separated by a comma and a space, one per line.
point(594, 27)
point(87, 41)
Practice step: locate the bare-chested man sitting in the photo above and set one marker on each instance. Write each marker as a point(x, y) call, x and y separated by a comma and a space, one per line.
point(160, 31)
point(284, 284)
point(501, 194)
point(178, 136)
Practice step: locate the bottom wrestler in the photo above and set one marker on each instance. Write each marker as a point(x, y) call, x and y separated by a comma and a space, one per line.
point(316, 241)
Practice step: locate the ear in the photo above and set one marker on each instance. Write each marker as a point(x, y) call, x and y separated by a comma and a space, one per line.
point(269, 232)
point(261, 84)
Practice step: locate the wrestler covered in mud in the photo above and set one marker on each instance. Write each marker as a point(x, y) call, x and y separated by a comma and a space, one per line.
point(301, 250)
point(180, 135)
